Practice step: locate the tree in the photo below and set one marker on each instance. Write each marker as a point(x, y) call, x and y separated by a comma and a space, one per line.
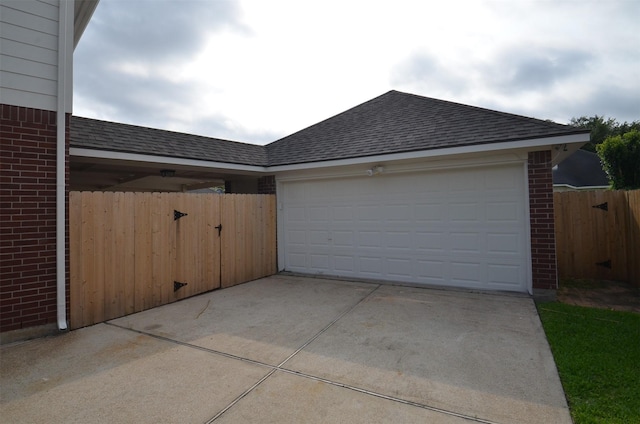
point(601, 128)
point(620, 156)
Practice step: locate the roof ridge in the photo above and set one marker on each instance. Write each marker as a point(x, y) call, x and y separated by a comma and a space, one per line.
point(329, 118)
point(485, 109)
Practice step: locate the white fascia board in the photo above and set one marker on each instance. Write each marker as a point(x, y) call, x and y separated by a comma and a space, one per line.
point(83, 11)
point(135, 157)
point(530, 145)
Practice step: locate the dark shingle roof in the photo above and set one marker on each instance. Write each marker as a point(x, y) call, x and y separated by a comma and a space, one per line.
point(398, 122)
point(93, 134)
point(392, 123)
point(581, 169)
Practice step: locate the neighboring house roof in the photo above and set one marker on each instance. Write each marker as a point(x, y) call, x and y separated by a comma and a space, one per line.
point(581, 169)
point(398, 122)
point(102, 135)
point(394, 122)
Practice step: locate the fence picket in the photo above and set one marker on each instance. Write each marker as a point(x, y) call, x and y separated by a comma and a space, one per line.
point(588, 238)
point(126, 249)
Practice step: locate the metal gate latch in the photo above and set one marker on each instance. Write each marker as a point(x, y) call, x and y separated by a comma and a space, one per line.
point(219, 228)
point(606, 264)
point(177, 285)
point(177, 215)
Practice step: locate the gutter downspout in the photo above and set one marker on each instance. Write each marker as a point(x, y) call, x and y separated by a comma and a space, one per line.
point(63, 25)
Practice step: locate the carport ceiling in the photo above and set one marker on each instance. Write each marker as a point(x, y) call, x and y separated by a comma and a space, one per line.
point(106, 175)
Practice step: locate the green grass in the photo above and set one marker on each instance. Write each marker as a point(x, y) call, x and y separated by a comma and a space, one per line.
point(584, 283)
point(597, 353)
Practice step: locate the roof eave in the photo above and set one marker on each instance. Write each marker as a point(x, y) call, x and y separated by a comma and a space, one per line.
point(168, 160)
point(563, 145)
point(83, 10)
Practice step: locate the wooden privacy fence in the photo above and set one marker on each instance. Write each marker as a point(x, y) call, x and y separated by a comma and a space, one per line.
point(598, 234)
point(134, 251)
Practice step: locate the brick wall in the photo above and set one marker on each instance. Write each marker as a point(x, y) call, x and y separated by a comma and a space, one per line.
point(267, 185)
point(28, 217)
point(543, 242)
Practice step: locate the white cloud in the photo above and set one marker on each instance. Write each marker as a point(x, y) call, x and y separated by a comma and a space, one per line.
point(255, 71)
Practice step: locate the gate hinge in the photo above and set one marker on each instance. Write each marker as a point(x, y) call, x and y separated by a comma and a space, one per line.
point(177, 285)
point(604, 206)
point(177, 215)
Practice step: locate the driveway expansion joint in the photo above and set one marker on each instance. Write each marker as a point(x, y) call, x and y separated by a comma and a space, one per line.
point(280, 367)
point(335, 343)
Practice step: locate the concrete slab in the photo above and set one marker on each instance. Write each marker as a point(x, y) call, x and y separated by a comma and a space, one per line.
point(285, 398)
point(295, 349)
point(264, 320)
point(103, 374)
point(481, 355)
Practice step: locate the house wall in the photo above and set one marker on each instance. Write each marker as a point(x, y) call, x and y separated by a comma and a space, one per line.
point(28, 217)
point(543, 245)
point(29, 52)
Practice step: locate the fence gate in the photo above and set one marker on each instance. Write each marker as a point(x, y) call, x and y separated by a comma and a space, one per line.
point(134, 251)
point(598, 234)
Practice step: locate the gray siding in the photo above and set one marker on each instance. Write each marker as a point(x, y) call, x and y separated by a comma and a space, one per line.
point(29, 53)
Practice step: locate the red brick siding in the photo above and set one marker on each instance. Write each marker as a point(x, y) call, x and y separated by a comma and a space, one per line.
point(28, 217)
point(543, 242)
point(267, 185)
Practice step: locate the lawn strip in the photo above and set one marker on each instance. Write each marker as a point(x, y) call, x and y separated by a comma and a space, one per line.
point(597, 353)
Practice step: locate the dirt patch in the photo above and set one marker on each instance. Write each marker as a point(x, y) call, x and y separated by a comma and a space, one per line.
point(612, 295)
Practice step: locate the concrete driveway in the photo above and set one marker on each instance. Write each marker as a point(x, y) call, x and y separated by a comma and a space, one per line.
point(294, 349)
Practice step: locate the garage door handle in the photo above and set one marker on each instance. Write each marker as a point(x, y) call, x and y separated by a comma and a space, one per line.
point(219, 228)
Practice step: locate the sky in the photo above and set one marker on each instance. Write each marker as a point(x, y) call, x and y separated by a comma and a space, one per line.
point(257, 70)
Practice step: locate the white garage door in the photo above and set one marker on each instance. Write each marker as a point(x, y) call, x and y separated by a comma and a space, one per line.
point(462, 228)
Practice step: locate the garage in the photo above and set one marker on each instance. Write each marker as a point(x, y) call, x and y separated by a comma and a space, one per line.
point(401, 188)
point(463, 227)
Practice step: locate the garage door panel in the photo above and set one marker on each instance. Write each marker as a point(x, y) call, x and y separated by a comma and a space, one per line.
point(398, 240)
point(500, 178)
point(318, 238)
point(463, 181)
point(297, 262)
point(429, 212)
point(345, 264)
point(319, 262)
point(370, 239)
point(398, 213)
point(296, 214)
point(370, 266)
point(433, 272)
point(466, 273)
point(343, 239)
point(464, 212)
point(342, 213)
point(503, 212)
point(463, 227)
point(430, 241)
point(466, 242)
point(318, 214)
point(369, 213)
point(502, 274)
point(504, 243)
point(399, 268)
